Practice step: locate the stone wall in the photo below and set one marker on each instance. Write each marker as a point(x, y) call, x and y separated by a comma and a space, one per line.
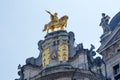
point(111, 57)
point(111, 63)
point(81, 61)
point(30, 71)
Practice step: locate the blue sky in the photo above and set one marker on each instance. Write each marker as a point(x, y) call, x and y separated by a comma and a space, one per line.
point(22, 21)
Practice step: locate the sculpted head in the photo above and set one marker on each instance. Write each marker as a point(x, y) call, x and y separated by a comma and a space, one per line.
point(56, 14)
point(103, 14)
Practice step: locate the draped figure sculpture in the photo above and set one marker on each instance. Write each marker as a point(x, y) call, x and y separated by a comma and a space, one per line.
point(104, 23)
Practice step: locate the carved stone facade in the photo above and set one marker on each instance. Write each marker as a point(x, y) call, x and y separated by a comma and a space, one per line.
point(55, 48)
point(110, 50)
point(60, 59)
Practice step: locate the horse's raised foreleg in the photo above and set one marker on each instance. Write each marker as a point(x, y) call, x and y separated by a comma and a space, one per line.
point(62, 27)
point(43, 29)
point(66, 24)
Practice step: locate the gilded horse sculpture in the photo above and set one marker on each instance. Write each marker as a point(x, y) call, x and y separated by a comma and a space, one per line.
point(55, 22)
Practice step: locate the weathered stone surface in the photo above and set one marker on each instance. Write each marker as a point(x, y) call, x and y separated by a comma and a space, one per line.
point(110, 49)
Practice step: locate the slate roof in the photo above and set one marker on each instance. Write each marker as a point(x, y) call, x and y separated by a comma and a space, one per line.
point(114, 22)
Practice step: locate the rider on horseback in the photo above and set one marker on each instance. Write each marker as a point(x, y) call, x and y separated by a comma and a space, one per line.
point(55, 22)
point(53, 17)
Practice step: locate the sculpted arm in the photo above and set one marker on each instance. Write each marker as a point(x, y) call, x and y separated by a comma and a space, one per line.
point(48, 12)
point(51, 15)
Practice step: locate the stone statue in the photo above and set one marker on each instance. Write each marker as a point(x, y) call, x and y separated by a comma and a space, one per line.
point(55, 22)
point(98, 63)
point(91, 53)
point(104, 23)
point(20, 73)
point(94, 62)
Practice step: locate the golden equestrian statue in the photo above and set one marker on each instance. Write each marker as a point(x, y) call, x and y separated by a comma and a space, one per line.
point(55, 22)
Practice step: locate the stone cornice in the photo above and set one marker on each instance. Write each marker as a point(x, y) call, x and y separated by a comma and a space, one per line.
point(105, 46)
point(67, 72)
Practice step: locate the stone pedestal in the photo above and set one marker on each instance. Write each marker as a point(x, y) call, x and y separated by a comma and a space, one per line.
point(55, 48)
